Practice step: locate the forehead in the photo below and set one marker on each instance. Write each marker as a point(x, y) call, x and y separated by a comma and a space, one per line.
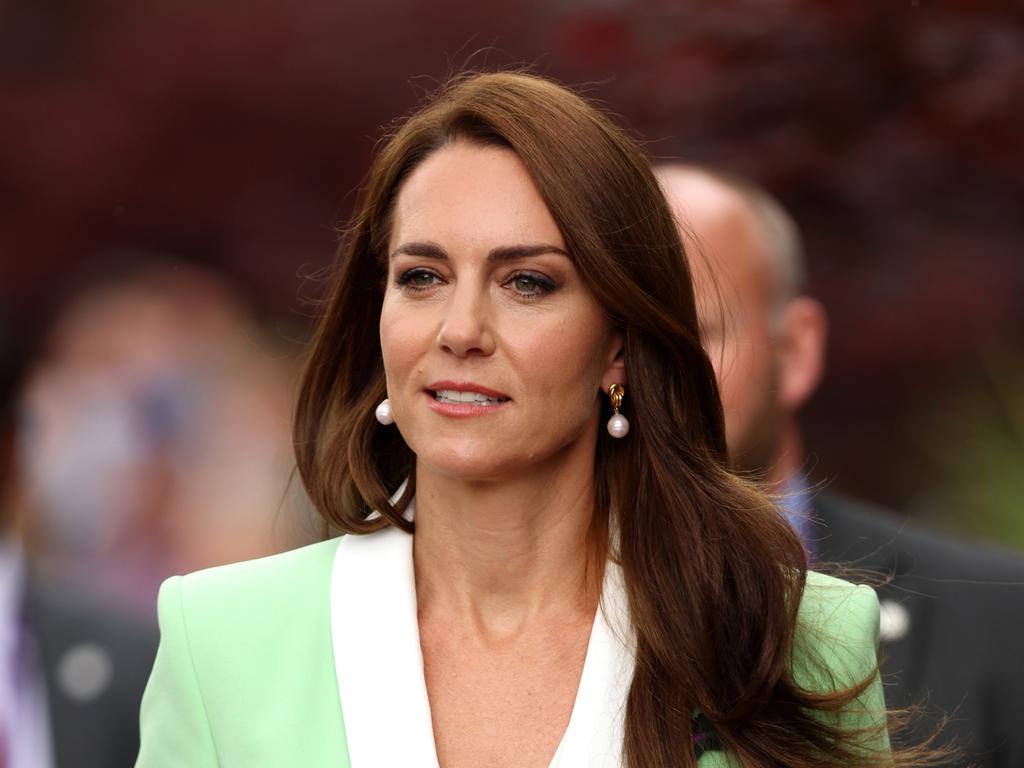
point(472, 195)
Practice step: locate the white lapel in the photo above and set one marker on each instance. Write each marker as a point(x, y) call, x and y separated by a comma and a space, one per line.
point(377, 656)
point(594, 736)
point(379, 663)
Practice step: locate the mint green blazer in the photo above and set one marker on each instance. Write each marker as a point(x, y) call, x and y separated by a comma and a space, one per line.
point(245, 674)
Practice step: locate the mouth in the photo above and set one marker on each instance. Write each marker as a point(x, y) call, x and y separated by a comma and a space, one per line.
point(466, 397)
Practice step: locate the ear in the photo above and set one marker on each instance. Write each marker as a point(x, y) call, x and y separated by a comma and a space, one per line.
point(615, 363)
point(801, 351)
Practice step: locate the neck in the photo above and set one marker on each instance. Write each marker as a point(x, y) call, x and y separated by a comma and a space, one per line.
point(506, 553)
point(789, 458)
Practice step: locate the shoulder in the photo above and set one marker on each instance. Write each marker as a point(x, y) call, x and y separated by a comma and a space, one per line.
point(278, 578)
point(235, 643)
point(837, 631)
point(836, 650)
point(259, 597)
point(837, 606)
point(233, 612)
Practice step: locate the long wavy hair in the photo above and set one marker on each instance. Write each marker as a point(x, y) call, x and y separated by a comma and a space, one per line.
point(713, 573)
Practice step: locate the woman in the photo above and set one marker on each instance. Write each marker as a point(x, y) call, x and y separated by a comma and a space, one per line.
point(509, 365)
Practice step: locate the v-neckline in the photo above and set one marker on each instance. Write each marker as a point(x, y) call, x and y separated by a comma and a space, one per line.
point(379, 663)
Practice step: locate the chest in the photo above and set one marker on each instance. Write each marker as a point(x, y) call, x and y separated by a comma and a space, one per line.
point(511, 705)
point(502, 703)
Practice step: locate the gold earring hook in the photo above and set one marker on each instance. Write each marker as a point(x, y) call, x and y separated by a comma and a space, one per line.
point(616, 392)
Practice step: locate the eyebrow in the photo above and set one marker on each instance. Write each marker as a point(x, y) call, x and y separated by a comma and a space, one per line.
point(428, 250)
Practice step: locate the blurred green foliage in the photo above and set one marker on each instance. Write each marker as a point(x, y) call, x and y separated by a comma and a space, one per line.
point(975, 437)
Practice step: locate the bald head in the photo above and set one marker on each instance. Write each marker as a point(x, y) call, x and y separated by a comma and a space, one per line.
point(714, 208)
point(765, 340)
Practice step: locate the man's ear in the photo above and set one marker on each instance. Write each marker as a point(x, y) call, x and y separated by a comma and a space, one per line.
point(615, 368)
point(802, 344)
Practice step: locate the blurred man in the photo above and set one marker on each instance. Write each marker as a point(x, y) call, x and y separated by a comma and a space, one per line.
point(952, 622)
point(71, 671)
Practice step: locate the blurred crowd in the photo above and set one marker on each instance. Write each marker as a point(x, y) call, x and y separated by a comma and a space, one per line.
point(154, 432)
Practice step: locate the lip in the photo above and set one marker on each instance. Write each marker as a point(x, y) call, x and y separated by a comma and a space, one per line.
point(463, 410)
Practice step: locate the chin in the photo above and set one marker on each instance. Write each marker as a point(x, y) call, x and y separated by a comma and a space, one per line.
point(470, 460)
point(468, 468)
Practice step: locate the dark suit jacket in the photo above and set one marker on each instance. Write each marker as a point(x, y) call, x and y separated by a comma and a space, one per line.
point(95, 662)
point(962, 608)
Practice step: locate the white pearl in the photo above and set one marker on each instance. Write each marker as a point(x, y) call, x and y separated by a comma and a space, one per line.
point(618, 426)
point(384, 412)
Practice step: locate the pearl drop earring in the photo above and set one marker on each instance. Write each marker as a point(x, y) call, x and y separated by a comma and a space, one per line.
point(618, 425)
point(383, 412)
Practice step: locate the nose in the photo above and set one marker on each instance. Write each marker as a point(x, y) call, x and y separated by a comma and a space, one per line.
point(466, 326)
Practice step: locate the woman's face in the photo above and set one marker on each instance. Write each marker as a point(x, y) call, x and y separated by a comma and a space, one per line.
point(494, 349)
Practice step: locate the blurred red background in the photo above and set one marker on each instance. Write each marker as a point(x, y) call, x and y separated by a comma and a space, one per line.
point(233, 134)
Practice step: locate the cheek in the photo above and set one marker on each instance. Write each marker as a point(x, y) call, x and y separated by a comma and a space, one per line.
point(565, 364)
point(747, 378)
point(730, 362)
point(400, 342)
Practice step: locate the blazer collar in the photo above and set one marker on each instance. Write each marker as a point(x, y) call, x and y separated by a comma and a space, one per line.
point(379, 664)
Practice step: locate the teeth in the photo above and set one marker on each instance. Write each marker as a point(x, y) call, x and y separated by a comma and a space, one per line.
point(455, 396)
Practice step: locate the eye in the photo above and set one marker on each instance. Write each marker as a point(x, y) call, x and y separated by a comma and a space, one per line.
point(530, 284)
point(418, 279)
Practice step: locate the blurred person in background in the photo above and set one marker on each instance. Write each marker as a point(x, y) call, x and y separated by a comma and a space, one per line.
point(72, 670)
point(952, 626)
point(157, 439)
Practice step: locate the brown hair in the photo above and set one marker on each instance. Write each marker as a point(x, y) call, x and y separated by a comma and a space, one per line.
point(713, 573)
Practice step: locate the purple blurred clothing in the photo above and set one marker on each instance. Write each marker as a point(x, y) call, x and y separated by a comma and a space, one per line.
point(24, 716)
point(796, 506)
